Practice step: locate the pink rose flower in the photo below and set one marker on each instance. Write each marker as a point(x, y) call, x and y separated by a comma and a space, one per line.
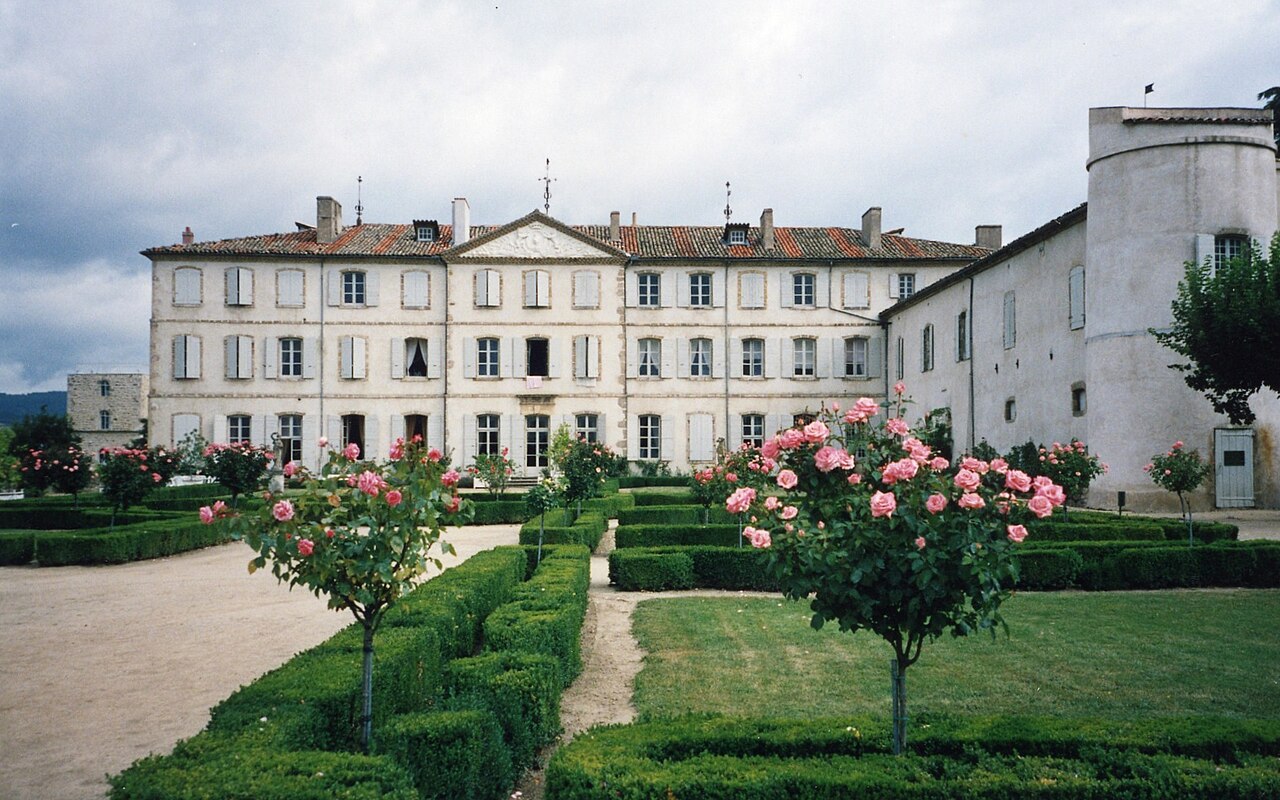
point(771, 448)
point(450, 478)
point(1041, 481)
point(1177, 445)
point(1017, 533)
point(938, 464)
point(1040, 506)
point(394, 497)
point(787, 479)
point(290, 469)
point(1054, 493)
point(397, 450)
point(282, 511)
point(920, 543)
point(971, 501)
point(730, 477)
point(789, 512)
point(935, 503)
point(883, 504)
point(740, 500)
point(901, 470)
point(790, 438)
point(323, 441)
point(829, 458)
point(1017, 480)
point(351, 452)
point(155, 477)
point(434, 455)
point(974, 465)
point(854, 479)
point(305, 546)
point(999, 465)
point(371, 483)
point(967, 480)
point(758, 537)
point(899, 388)
point(897, 426)
point(772, 503)
point(206, 515)
point(864, 409)
point(816, 431)
point(454, 504)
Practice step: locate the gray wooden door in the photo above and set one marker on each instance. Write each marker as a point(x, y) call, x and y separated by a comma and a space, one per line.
point(1233, 467)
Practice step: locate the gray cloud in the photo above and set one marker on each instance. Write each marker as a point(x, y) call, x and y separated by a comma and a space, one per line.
point(125, 122)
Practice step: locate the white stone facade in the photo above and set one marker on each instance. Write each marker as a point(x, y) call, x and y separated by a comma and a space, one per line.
point(1082, 292)
point(106, 409)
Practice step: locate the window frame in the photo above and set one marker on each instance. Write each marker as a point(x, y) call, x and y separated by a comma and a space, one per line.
point(850, 357)
point(753, 355)
point(423, 347)
point(537, 440)
point(355, 287)
point(906, 285)
point(648, 290)
point(586, 426)
point(1228, 246)
point(290, 357)
point(244, 424)
point(649, 442)
point(649, 357)
point(804, 284)
point(290, 439)
point(488, 434)
point(701, 354)
point(804, 357)
point(700, 289)
point(753, 429)
point(963, 337)
point(104, 420)
point(104, 387)
point(488, 358)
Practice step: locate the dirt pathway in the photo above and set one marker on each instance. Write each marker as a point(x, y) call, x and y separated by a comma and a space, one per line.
point(100, 666)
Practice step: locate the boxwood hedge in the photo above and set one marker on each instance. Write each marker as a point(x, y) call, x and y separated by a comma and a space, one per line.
point(560, 528)
point(718, 535)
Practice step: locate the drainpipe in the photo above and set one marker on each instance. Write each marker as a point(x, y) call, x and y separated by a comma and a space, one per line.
point(973, 414)
point(444, 366)
point(324, 301)
point(724, 353)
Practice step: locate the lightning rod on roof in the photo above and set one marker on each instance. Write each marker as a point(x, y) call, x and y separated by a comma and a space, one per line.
point(359, 200)
point(546, 189)
point(728, 212)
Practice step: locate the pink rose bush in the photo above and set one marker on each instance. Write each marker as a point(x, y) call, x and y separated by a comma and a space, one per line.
point(1180, 471)
point(875, 530)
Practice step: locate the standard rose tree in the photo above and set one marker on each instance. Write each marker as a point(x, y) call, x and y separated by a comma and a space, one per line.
point(240, 467)
point(359, 533)
point(733, 470)
point(1180, 471)
point(896, 539)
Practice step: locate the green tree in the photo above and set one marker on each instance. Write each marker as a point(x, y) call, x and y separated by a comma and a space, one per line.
point(127, 477)
point(34, 436)
point(10, 477)
point(240, 467)
point(1179, 471)
point(1226, 323)
point(1272, 96)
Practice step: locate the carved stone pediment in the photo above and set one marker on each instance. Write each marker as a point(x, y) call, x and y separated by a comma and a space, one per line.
point(536, 240)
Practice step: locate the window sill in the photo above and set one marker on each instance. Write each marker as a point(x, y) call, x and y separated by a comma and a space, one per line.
point(855, 377)
point(803, 377)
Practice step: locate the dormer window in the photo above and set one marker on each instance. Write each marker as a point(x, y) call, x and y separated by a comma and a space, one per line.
point(735, 233)
point(426, 230)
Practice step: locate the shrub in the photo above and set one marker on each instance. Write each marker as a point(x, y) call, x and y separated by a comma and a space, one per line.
point(546, 613)
point(128, 542)
point(688, 534)
point(676, 515)
point(494, 470)
point(653, 572)
point(643, 481)
point(713, 567)
point(449, 754)
point(499, 512)
point(587, 530)
point(1040, 570)
point(17, 547)
point(128, 475)
point(520, 690)
point(663, 498)
point(1112, 530)
point(240, 467)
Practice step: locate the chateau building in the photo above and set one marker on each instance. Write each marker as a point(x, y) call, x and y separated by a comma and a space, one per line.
point(107, 409)
point(657, 340)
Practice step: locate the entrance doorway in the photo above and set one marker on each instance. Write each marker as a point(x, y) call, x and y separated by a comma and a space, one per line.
point(1233, 467)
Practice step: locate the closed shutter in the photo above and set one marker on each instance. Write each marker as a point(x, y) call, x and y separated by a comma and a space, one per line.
point(184, 425)
point(309, 357)
point(586, 289)
point(372, 440)
point(397, 357)
point(468, 357)
point(186, 287)
point(371, 288)
point(310, 439)
point(1010, 320)
point(668, 438)
point(581, 362)
point(482, 287)
point(717, 289)
point(856, 290)
point(520, 353)
point(554, 354)
point(434, 346)
point(786, 290)
point(270, 345)
point(667, 289)
point(893, 285)
point(752, 285)
point(289, 287)
point(701, 437)
point(415, 289)
point(334, 290)
point(333, 423)
point(1076, 297)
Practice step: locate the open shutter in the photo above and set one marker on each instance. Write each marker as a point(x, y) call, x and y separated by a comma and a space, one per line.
point(733, 436)
point(632, 290)
point(787, 348)
point(435, 430)
point(822, 290)
point(544, 289)
point(258, 430)
point(683, 356)
point(468, 439)
point(893, 285)
point(512, 434)
point(668, 362)
point(468, 357)
point(824, 360)
point(232, 286)
point(667, 289)
point(359, 358)
point(1204, 248)
point(633, 358)
point(875, 356)
point(772, 366)
point(786, 290)
point(774, 423)
point(481, 288)
point(668, 424)
point(633, 437)
point(220, 428)
point(370, 289)
point(717, 289)
point(309, 357)
point(397, 427)
point(434, 346)
point(717, 360)
point(397, 357)
point(554, 354)
point(580, 357)
point(192, 360)
point(335, 288)
point(520, 356)
point(372, 439)
point(735, 357)
point(310, 438)
point(333, 423)
point(493, 292)
point(345, 357)
point(508, 359)
point(269, 346)
point(1076, 297)
point(230, 356)
point(682, 290)
point(531, 288)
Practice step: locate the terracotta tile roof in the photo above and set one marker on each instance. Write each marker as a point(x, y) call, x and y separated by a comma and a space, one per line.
point(644, 242)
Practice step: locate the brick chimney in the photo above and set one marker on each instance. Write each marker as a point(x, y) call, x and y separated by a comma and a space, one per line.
point(871, 228)
point(766, 228)
point(328, 220)
point(188, 237)
point(615, 226)
point(988, 236)
point(461, 221)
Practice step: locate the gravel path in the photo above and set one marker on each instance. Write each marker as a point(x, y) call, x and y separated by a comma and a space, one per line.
point(100, 666)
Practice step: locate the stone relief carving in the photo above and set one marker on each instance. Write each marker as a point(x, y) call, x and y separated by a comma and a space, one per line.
point(536, 240)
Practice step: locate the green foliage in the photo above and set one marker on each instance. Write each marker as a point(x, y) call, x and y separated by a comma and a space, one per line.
point(588, 529)
point(499, 512)
point(494, 470)
point(128, 476)
point(733, 470)
point(1226, 325)
point(520, 690)
point(125, 542)
point(450, 754)
point(720, 535)
point(662, 498)
point(1149, 565)
point(1071, 466)
point(17, 547)
point(240, 467)
point(189, 454)
point(582, 466)
point(642, 480)
point(10, 477)
point(676, 515)
point(1178, 470)
point(935, 431)
point(735, 568)
point(652, 572)
point(37, 440)
point(545, 616)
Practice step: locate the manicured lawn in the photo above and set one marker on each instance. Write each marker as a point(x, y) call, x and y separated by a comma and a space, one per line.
point(1107, 654)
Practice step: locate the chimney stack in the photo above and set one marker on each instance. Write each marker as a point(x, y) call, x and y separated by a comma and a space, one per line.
point(634, 217)
point(187, 236)
point(871, 228)
point(988, 236)
point(615, 226)
point(461, 221)
point(766, 228)
point(328, 220)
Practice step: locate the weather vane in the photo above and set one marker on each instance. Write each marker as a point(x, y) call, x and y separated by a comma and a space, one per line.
point(359, 201)
point(546, 189)
point(728, 212)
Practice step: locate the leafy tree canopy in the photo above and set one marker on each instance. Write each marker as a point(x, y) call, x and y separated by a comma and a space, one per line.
point(1226, 323)
point(1272, 96)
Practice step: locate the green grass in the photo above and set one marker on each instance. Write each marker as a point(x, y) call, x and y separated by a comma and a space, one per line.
point(1119, 655)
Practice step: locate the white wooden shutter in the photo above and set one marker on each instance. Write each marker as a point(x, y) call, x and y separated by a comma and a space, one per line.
point(469, 357)
point(822, 290)
point(717, 359)
point(633, 437)
point(397, 357)
point(733, 436)
point(335, 288)
point(435, 431)
point(258, 430)
point(735, 358)
point(875, 356)
point(787, 348)
point(415, 290)
point(186, 286)
point(310, 441)
point(434, 346)
point(543, 295)
point(893, 285)
point(232, 286)
point(244, 357)
point(512, 434)
point(772, 366)
point(632, 290)
point(633, 358)
point(667, 423)
point(481, 287)
point(1076, 297)
point(397, 427)
point(493, 290)
point(717, 289)
point(683, 356)
point(586, 289)
point(334, 425)
point(220, 428)
point(554, 353)
point(667, 289)
point(1010, 320)
point(520, 354)
point(309, 352)
point(359, 358)
point(701, 437)
point(372, 441)
point(824, 356)
point(531, 289)
point(752, 285)
point(857, 290)
point(230, 356)
point(668, 360)
point(682, 290)
point(1204, 248)
point(774, 423)
point(508, 360)
point(580, 362)
point(289, 287)
point(346, 357)
point(786, 290)
point(270, 346)
point(370, 292)
point(468, 440)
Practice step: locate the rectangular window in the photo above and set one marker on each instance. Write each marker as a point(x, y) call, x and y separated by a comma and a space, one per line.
point(238, 428)
point(587, 426)
point(291, 437)
point(239, 286)
point(649, 285)
point(186, 286)
point(487, 357)
point(753, 358)
point(1075, 293)
point(104, 420)
point(353, 288)
point(415, 289)
point(415, 358)
point(650, 358)
point(1228, 247)
point(586, 357)
point(289, 288)
point(1010, 410)
point(699, 358)
point(855, 357)
point(537, 289)
point(650, 436)
point(537, 432)
point(352, 358)
point(488, 288)
point(753, 429)
point(186, 357)
point(802, 289)
point(290, 357)
point(1010, 321)
point(353, 431)
point(906, 284)
point(805, 358)
point(1079, 401)
point(536, 357)
point(751, 290)
point(415, 425)
point(962, 336)
point(487, 435)
point(700, 290)
point(926, 348)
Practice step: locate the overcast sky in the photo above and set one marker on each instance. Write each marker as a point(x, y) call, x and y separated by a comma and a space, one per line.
point(123, 122)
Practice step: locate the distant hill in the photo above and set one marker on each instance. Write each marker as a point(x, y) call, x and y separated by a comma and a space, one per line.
point(14, 407)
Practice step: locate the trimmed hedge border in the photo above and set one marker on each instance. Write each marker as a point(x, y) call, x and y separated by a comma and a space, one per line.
point(663, 498)
point(66, 519)
point(720, 535)
point(676, 515)
point(138, 542)
point(587, 530)
point(449, 724)
point(713, 568)
point(641, 482)
point(17, 547)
